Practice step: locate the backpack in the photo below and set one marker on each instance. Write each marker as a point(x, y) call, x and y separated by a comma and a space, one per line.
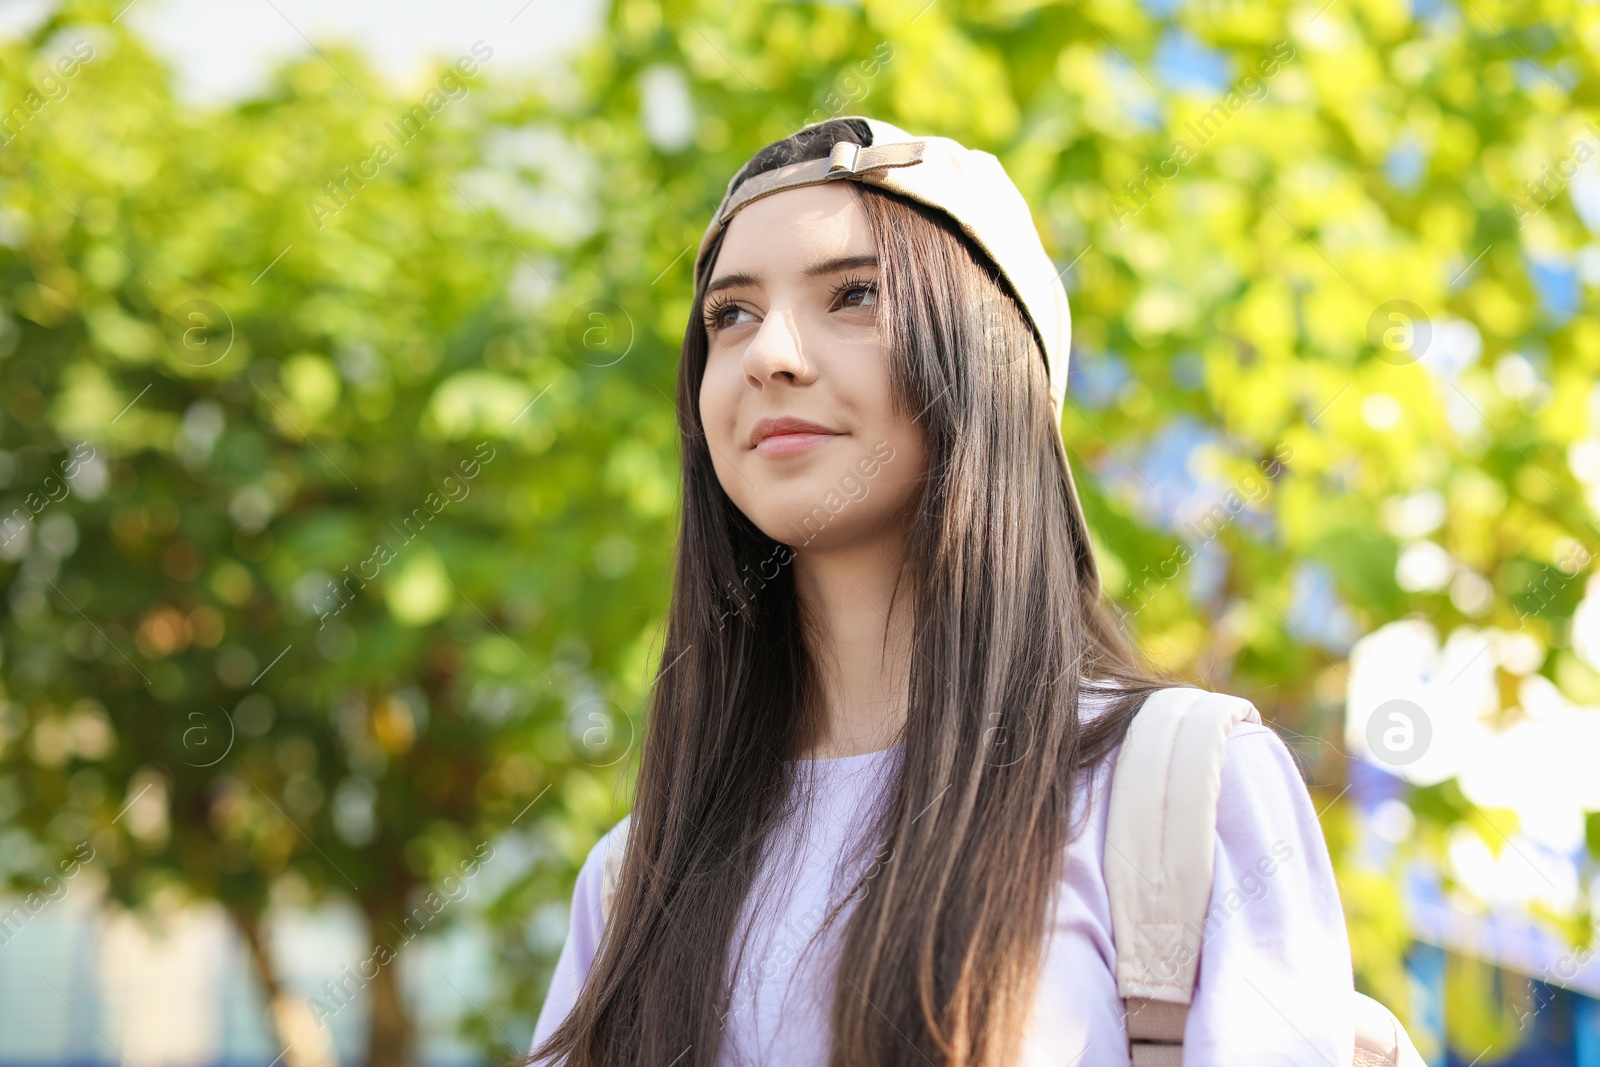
point(1168, 774)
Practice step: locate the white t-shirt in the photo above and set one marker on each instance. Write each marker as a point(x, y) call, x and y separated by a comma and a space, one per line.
point(1274, 983)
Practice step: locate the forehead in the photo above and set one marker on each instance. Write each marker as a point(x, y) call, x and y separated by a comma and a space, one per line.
point(796, 227)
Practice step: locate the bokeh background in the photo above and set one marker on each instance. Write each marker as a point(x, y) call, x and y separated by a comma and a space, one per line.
point(338, 466)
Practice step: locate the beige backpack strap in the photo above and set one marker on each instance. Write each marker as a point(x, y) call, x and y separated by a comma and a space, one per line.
point(1380, 1039)
point(1160, 844)
point(611, 865)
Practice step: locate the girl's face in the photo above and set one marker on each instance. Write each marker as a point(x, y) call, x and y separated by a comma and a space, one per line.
point(796, 399)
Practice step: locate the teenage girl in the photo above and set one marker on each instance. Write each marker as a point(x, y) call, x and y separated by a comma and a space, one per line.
point(870, 815)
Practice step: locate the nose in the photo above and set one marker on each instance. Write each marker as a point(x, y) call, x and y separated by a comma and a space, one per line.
point(776, 351)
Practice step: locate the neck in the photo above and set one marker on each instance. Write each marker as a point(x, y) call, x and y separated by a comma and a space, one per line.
point(862, 647)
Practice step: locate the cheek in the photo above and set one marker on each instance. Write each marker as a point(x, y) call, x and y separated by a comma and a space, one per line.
point(720, 392)
point(900, 475)
point(719, 399)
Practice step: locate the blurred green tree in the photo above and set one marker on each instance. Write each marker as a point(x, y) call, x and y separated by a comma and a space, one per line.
point(348, 543)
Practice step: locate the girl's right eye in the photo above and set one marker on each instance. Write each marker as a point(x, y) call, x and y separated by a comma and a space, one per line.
point(717, 314)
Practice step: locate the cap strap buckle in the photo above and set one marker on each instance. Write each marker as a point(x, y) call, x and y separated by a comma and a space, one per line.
point(846, 160)
point(843, 158)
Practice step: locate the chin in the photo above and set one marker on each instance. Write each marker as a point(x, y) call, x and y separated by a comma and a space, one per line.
point(806, 520)
point(818, 505)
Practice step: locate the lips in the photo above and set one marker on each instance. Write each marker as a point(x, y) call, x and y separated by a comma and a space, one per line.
point(788, 436)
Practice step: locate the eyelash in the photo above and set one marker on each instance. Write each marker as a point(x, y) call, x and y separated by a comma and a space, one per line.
point(854, 282)
point(713, 312)
point(722, 302)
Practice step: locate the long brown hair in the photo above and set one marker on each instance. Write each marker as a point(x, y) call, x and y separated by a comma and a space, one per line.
point(938, 962)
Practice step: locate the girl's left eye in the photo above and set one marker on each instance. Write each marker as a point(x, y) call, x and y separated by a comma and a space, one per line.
point(856, 292)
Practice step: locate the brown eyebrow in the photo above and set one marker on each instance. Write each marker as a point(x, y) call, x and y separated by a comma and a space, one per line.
point(826, 266)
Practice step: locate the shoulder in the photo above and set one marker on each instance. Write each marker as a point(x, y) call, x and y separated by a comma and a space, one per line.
point(1192, 754)
point(1258, 772)
point(609, 850)
point(1257, 762)
point(595, 877)
point(1255, 740)
point(1268, 826)
point(616, 837)
point(1175, 723)
point(584, 929)
point(606, 855)
point(1274, 966)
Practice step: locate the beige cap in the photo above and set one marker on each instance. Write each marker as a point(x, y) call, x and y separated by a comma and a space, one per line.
point(968, 185)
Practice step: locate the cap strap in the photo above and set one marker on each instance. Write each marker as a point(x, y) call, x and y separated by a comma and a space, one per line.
point(847, 160)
